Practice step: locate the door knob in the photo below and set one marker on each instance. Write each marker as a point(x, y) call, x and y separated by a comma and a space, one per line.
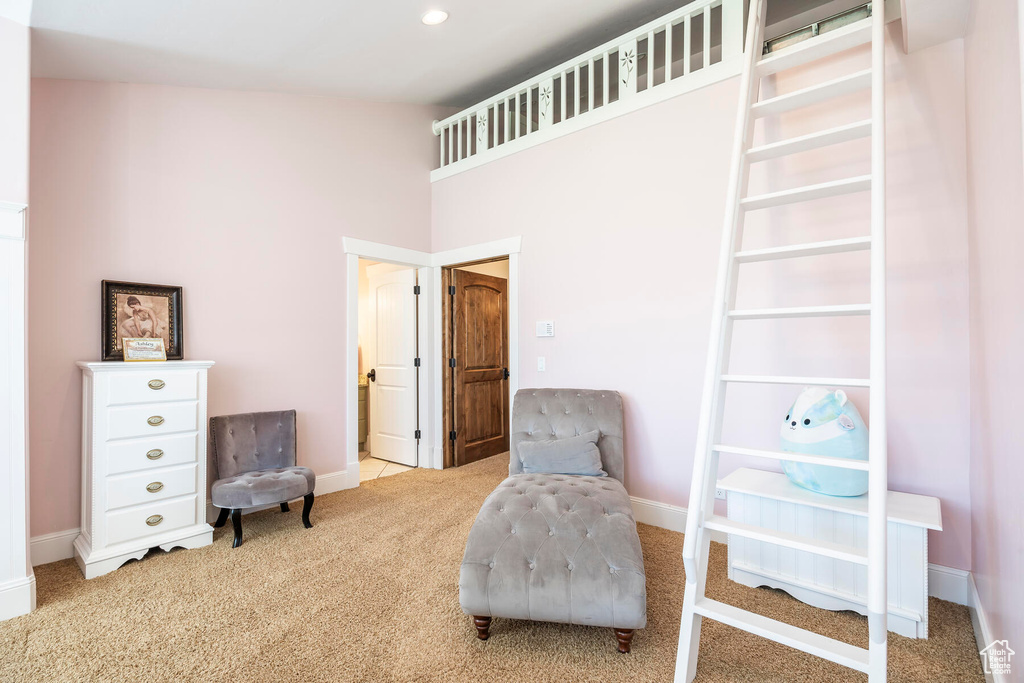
point(372, 375)
point(504, 373)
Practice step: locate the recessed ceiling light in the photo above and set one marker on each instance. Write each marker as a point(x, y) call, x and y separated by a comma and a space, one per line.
point(435, 17)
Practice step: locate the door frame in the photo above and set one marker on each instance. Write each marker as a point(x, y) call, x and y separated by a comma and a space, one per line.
point(431, 392)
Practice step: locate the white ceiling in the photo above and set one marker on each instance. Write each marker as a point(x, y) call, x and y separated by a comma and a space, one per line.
point(376, 49)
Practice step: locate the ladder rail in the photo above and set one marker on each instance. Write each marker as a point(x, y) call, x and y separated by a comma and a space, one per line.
point(878, 485)
point(696, 542)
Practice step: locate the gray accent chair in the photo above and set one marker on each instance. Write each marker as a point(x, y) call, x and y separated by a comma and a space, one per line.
point(556, 547)
point(255, 458)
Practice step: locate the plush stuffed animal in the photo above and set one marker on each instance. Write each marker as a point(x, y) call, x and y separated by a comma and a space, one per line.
point(825, 422)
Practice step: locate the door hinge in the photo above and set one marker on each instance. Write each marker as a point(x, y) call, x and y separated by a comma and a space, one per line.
point(416, 289)
point(418, 434)
point(416, 363)
point(451, 435)
point(451, 290)
point(451, 362)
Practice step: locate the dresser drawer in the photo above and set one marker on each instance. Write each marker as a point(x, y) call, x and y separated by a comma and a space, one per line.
point(152, 387)
point(151, 419)
point(157, 451)
point(150, 486)
point(146, 520)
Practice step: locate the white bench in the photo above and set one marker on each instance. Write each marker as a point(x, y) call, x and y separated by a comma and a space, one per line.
point(771, 500)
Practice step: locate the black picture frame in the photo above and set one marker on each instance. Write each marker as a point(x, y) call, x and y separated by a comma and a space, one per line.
point(152, 320)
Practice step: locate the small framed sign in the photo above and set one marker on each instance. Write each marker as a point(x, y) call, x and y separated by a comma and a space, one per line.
point(143, 348)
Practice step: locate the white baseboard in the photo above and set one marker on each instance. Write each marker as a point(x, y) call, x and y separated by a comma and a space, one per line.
point(983, 634)
point(944, 583)
point(53, 547)
point(17, 597)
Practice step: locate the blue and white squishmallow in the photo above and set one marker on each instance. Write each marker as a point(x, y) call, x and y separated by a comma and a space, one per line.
point(825, 422)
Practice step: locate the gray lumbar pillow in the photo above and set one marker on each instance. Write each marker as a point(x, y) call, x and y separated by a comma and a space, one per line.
point(575, 455)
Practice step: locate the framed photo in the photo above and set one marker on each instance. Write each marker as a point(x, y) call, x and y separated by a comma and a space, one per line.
point(134, 310)
point(143, 349)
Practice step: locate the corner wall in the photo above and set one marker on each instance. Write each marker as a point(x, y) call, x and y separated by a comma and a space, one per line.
point(240, 197)
point(996, 205)
point(621, 227)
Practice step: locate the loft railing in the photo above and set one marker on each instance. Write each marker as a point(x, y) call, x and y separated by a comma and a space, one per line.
point(693, 46)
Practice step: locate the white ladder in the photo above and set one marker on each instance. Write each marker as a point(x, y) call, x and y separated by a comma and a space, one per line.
point(702, 519)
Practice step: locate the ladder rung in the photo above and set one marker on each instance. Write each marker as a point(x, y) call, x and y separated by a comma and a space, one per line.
point(808, 193)
point(813, 95)
point(845, 463)
point(837, 651)
point(787, 540)
point(801, 312)
point(804, 143)
point(811, 381)
point(810, 249)
point(831, 43)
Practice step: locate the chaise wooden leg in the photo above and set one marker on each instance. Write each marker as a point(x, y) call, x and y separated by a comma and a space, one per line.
point(236, 521)
point(483, 627)
point(625, 638)
point(307, 505)
point(222, 517)
point(284, 506)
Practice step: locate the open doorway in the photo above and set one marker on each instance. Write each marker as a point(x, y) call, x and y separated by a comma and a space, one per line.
point(388, 359)
point(476, 343)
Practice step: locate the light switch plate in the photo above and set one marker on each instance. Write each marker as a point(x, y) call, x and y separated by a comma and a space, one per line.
point(541, 364)
point(545, 328)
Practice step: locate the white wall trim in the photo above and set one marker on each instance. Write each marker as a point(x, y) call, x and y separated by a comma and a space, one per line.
point(376, 251)
point(17, 597)
point(945, 583)
point(53, 547)
point(983, 634)
point(477, 252)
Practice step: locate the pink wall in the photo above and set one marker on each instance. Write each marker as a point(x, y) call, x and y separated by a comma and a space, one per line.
point(621, 226)
point(242, 198)
point(996, 193)
point(14, 111)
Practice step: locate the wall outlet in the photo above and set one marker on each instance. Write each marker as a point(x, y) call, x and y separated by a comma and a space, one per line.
point(541, 364)
point(719, 494)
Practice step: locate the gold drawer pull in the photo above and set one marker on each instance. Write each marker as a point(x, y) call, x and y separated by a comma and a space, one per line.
point(153, 520)
point(155, 454)
point(155, 421)
point(156, 384)
point(155, 486)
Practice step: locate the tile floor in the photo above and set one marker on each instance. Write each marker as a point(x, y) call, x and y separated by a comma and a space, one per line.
point(372, 468)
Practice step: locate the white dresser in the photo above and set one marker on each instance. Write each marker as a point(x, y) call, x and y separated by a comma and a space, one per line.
point(143, 461)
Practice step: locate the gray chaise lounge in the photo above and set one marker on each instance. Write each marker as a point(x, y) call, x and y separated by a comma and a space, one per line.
point(556, 547)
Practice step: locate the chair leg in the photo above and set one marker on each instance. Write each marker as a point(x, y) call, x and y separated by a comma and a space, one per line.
point(307, 505)
point(284, 506)
point(222, 517)
point(625, 638)
point(236, 521)
point(483, 627)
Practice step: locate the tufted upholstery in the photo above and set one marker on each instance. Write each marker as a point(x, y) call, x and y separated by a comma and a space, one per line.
point(542, 414)
point(255, 458)
point(557, 547)
point(553, 547)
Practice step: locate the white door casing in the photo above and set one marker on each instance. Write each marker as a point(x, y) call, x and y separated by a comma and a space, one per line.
point(391, 352)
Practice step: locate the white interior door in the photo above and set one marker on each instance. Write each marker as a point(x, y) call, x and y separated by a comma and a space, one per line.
point(391, 355)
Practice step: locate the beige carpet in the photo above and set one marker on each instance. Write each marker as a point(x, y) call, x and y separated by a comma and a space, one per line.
point(370, 593)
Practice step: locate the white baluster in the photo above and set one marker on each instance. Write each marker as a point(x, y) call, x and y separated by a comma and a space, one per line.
point(668, 52)
point(451, 144)
point(483, 137)
point(687, 44)
point(576, 91)
point(605, 89)
point(545, 103)
point(650, 60)
point(519, 130)
point(627, 69)
point(440, 137)
point(458, 141)
point(590, 85)
point(529, 109)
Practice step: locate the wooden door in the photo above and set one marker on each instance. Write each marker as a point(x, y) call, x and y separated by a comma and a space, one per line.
point(391, 355)
point(480, 334)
